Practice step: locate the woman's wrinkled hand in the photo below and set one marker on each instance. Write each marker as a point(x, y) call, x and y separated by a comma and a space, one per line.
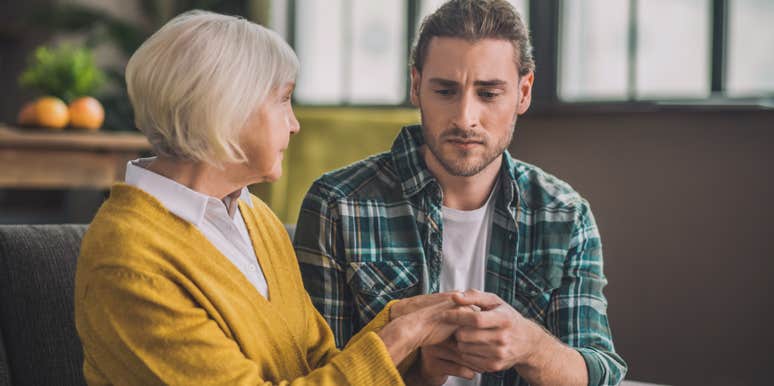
point(422, 327)
point(416, 303)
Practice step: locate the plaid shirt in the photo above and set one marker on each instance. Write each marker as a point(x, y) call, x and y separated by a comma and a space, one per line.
point(371, 232)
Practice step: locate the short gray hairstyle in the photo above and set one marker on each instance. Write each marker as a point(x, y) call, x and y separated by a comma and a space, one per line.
point(195, 82)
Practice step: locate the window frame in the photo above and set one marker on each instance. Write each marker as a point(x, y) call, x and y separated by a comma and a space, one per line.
point(545, 23)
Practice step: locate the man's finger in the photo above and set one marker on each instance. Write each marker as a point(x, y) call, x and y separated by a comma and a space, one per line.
point(483, 300)
point(479, 350)
point(445, 350)
point(493, 336)
point(453, 368)
point(484, 364)
point(466, 317)
point(448, 352)
point(476, 362)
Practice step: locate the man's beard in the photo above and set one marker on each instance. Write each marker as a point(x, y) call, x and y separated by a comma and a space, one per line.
point(465, 165)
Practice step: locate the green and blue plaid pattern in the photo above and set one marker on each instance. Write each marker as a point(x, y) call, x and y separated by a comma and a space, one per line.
point(371, 232)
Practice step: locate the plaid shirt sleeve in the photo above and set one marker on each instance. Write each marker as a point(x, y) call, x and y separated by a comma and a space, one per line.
point(578, 310)
point(319, 248)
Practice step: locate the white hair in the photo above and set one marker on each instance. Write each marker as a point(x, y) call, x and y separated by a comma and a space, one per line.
point(194, 83)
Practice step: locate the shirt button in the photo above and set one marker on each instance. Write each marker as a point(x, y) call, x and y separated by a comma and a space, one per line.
point(251, 268)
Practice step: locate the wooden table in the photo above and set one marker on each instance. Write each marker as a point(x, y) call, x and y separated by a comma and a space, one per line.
point(41, 159)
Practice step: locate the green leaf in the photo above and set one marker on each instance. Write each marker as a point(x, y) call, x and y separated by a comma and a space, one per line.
point(65, 71)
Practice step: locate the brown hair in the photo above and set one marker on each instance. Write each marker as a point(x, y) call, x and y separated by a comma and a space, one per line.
point(474, 20)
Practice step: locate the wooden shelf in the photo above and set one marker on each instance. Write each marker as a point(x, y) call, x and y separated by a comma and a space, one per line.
point(73, 140)
point(32, 158)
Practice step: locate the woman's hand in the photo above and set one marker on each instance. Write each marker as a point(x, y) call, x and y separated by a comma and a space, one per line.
point(416, 303)
point(422, 327)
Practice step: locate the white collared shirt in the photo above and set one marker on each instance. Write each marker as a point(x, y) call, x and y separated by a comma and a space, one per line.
point(208, 214)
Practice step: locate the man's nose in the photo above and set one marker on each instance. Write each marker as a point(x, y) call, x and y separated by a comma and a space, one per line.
point(468, 110)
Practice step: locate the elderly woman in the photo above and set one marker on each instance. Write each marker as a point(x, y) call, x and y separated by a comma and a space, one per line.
point(185, 277)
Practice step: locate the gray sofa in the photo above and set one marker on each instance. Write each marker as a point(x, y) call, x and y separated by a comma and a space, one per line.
point(38, 341)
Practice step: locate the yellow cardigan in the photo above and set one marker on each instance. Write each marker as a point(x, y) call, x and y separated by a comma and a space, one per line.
point(156, 303)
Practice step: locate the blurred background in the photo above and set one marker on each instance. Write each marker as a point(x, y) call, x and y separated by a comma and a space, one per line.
point(660, 112)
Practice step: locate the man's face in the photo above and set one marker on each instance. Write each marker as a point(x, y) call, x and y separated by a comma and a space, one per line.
point(469, 94)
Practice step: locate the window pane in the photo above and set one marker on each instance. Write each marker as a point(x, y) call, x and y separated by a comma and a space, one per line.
point(278, 17)
point(319, 46)
point(751, 48)
point(593, 50)
point(429, 6)
point(378, 52)
point(673, 49)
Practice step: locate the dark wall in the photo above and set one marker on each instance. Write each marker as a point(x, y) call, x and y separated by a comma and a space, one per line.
point(18, 39)
point(684, 202)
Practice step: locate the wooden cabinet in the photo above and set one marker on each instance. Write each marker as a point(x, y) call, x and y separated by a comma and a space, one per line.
point(41, 159)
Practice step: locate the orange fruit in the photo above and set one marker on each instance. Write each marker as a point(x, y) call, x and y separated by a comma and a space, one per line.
point(26, 115)
point(86, 113)
point(51, 112)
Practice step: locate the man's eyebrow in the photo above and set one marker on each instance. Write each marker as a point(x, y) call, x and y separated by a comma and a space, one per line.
point(443, 82)
point(490, 83)
point(478, 83)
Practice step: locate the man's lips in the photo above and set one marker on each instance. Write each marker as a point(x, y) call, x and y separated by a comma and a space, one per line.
point(464, 143)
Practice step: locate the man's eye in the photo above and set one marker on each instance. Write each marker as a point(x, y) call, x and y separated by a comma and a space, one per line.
point(488, 94)
point(444, 92)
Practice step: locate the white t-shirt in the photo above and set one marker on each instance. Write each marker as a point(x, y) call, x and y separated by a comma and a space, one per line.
point(465, 246)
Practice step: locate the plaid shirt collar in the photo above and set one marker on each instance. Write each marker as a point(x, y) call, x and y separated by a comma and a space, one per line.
point(415, 176)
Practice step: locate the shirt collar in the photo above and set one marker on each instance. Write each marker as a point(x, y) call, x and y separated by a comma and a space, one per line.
point(415, 176)
point(410, 166)
point(508, 172)
point(179, 199)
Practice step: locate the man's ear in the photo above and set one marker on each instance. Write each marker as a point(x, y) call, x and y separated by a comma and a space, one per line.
point(525, 92)
point(416, 80)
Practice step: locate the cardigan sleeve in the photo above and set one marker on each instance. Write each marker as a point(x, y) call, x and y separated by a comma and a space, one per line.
point(365, 349)
point(375, 325)
point(324, 347)
point(142, 329)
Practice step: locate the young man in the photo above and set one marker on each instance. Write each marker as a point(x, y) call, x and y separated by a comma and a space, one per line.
point(448, 209)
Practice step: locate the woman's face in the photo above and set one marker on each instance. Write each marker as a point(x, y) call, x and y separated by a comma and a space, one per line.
point(267, 133)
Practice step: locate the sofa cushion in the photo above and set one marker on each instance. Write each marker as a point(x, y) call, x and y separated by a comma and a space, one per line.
point(5, 378)
point(37, 275)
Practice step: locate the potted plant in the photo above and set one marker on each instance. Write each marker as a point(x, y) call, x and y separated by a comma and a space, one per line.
point(99, 27)
point(63, 74)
